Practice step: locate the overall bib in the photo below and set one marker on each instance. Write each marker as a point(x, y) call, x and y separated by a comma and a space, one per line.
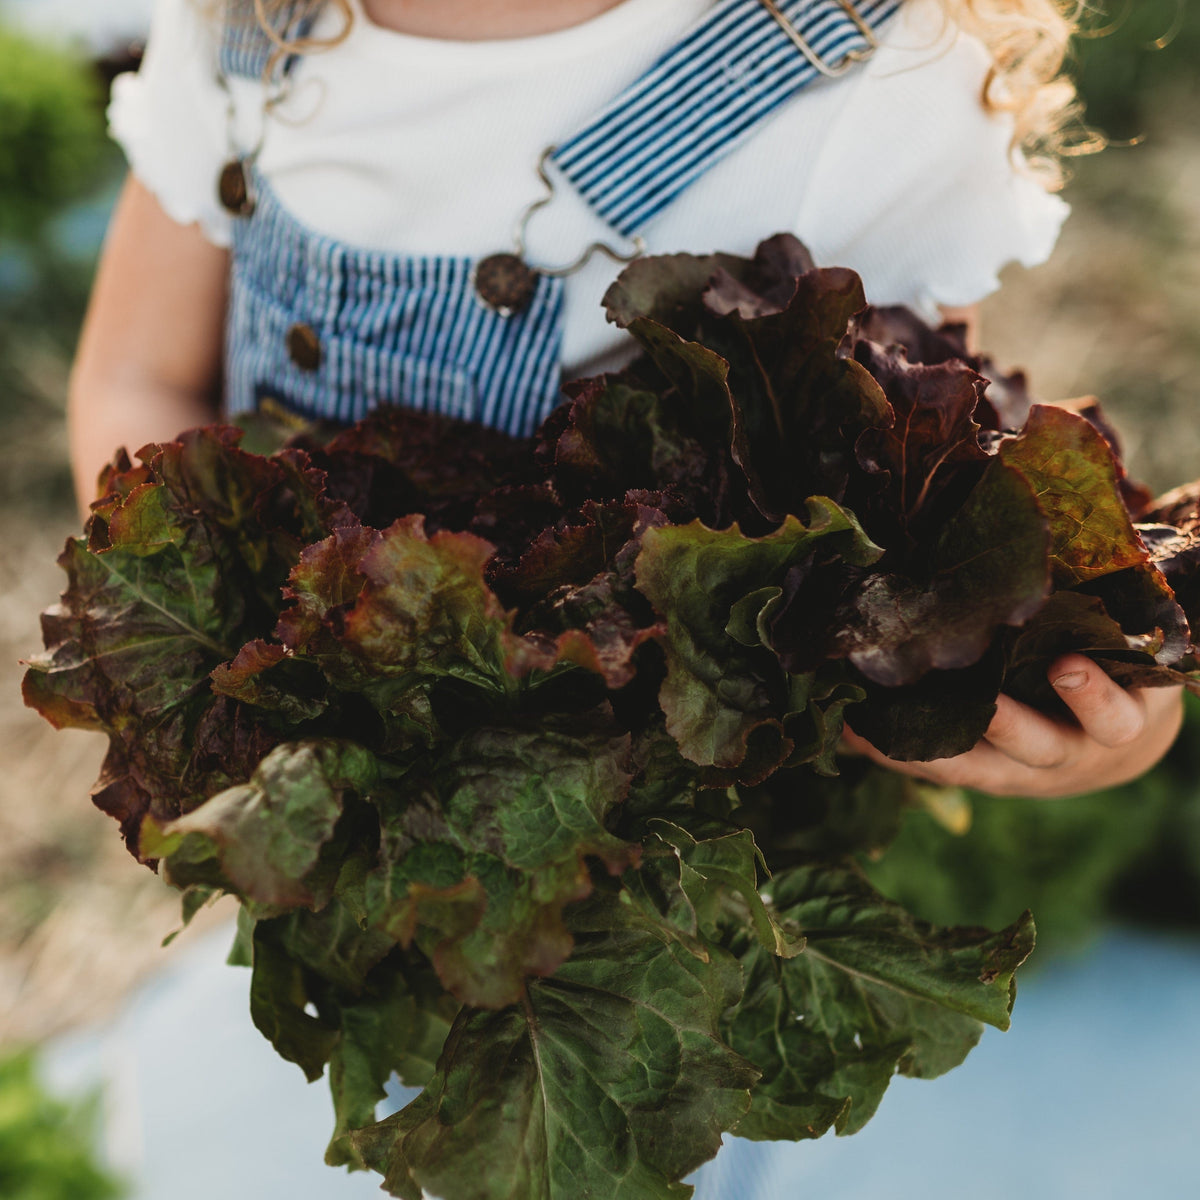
point(332, 330)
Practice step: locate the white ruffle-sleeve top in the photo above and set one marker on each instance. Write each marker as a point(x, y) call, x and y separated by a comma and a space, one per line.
point(421, 146)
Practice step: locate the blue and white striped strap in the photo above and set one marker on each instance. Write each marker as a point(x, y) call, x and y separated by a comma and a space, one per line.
point(698, 102)
point(246, 51)
point(703, 98)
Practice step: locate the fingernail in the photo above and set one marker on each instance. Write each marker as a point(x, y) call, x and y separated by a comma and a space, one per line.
point(1072, 681)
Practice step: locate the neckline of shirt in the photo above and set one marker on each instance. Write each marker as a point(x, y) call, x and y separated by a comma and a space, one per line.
point(626, 23)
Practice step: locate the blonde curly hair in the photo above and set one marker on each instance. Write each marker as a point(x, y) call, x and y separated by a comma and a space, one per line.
point(1028, 40)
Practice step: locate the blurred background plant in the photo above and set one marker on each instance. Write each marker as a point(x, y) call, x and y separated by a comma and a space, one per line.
point(54, 163)
point(1141, 55)
point(47, 1146)
point(53, 135)
point(1116, 313)
point(1131, 853)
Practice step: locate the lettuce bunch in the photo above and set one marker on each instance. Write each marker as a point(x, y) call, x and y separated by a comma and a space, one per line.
point(521, 756)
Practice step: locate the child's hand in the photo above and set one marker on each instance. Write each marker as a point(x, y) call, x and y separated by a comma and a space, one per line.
point(1120, 735)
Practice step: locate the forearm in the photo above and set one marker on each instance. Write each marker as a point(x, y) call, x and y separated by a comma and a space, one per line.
point(149, 358)
point(108, 413)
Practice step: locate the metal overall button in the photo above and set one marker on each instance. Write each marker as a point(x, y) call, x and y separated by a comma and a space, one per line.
point(505, 283)
point(233, 189)
point(304, 347)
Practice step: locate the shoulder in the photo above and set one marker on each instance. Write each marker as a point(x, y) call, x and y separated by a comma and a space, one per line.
point(204, 23)
point(915, 107)
point(921, 187)
point(926, 69)
point(914, 111)
point(186, 25)
point(171, 117)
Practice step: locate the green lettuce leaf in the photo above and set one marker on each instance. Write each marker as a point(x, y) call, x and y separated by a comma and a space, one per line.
point(625, 1112)
point(873, 992)
point(480, 857)
point(1071, 470)
point(718, 690)
point(182, 566)
point(398, 1026)
point(263, 840)
point(719, 877)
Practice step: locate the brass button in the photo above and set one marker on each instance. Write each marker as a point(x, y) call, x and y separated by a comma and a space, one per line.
point(505, 283)
point(233, 188)
point(304, 346)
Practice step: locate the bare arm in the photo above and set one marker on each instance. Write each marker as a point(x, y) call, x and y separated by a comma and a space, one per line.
point(149, 357)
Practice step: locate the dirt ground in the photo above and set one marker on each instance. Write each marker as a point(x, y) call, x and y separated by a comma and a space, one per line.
point(1115, 313)
point(80, 921)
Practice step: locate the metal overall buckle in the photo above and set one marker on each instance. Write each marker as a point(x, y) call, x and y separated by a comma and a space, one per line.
point(851, 57)
point(506, 282)
point(235, 184)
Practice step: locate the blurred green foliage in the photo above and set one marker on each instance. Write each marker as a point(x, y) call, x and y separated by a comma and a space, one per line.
point(51, 133)
point(1129, 853)
point(1144, 55)
point(53, 154)
point(46, 1145)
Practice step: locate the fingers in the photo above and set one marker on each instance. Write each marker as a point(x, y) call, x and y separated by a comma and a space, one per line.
point(859, 746)
point(1162, 709)
point(1017, 732)
point(1027, 737)
point(977, 768)
point(1120, 735)
point(1108, 714)
point(983, 768)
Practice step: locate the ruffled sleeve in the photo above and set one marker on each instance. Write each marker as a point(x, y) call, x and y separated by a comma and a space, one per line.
point(170, 118)
point(919, 188)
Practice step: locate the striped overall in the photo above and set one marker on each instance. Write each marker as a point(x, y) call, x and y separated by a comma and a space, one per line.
point(332, 330)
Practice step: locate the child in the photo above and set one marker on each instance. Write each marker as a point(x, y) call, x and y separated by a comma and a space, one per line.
point(374, 157)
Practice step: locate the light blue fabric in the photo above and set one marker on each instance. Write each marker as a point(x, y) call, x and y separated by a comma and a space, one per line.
point(391, 330)
point(1093, 1095)
point(246, 52)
